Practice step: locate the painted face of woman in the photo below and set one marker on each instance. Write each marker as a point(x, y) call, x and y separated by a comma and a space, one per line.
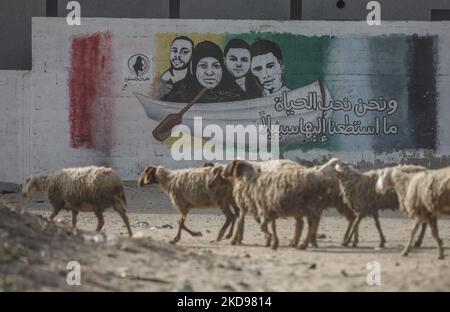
point(209, 72)
point(237, 61)
point(180, 53)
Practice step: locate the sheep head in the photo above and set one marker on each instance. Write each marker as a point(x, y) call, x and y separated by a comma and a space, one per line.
point(334, 167)
point(384, 181)
point(215, 177)
point(238, 169)
point(148, 176)
point(31, 186)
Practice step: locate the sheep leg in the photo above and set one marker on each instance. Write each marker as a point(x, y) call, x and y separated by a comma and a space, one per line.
point(101, 220)
point(230, 218)
point(310, 236)
point(56, 210)
point(236, 215)
point(236, 209)
point(347, 232)
point(74, 221)
point(421, 235)
point(413, 233)
point(192, 233)
point(298, 232)
point(230, 232)
point(353, 231)
point(120, 208)
point(74, 218)
point(239, 235)
point(434, 231)
point(266, 232)
point(275, 236)
point(378, 225)
point(315, 227)
point(180, 226)
point(356, 237)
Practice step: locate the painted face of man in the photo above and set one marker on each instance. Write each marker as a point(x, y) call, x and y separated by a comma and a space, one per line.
point(180, 53)
point(268, 70)
point(237, 61)
point(209, 72)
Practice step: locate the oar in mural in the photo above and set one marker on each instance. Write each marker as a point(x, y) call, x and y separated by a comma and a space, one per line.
point(164, 129)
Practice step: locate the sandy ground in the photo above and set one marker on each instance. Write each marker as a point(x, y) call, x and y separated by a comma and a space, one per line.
point(196, 264)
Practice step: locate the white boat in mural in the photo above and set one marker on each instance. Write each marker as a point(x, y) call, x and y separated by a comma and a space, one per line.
point(285, 110)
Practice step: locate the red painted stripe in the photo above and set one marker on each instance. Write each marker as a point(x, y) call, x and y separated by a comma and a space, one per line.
point(90, 92)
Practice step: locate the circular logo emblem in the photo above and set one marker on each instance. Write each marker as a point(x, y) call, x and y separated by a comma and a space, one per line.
point(138, 64)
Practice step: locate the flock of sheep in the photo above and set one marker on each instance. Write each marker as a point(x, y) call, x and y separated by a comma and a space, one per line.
point(268, 190)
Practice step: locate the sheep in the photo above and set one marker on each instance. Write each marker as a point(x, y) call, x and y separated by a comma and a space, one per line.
point(225, 187)
point(296, 193)
point(221, 187)
point(90, 188)
point(423, 195)
point(335, 200)
point(358, 191)
point(217, 181)
point(187, 189)
point(409, 169)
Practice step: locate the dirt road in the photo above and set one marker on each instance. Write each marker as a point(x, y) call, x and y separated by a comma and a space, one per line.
point(149, 262)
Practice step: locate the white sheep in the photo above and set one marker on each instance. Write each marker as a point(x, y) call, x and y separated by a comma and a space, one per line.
point(424, 195)
point(358, 191)
point(296, 193)
point(335, 199)
point(187, 189)
point(217, 182)
point(81, 189)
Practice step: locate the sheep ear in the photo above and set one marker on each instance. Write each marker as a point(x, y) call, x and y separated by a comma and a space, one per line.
point(238, 169)
point(339, 167)
point(242, 169)
point(381, 181)
point(229, 169)
point(149, 172)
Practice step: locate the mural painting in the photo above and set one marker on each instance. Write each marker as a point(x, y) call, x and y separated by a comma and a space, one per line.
point(331, 93)
point(285, 79)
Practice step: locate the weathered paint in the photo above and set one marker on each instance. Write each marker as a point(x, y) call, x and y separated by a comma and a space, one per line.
point(406, 61)
point(89, 90)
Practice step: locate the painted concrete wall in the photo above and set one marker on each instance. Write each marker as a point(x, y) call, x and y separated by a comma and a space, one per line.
point(15, 102)
point(85, 69)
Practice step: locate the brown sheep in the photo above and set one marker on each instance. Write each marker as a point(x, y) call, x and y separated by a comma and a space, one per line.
point(335, 201)
point(81, 189)
point(423, 195)
point(358, 191)
point(187, 189)
point(284, 193)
